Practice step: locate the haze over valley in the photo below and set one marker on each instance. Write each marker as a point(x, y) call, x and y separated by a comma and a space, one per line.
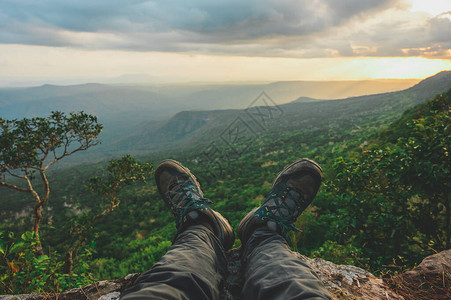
point(131, 113)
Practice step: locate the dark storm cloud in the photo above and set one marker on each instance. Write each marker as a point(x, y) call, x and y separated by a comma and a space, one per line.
point(255, 27)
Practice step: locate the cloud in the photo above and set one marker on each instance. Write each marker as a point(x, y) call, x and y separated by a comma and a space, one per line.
point(294, 28)
point(404, 36)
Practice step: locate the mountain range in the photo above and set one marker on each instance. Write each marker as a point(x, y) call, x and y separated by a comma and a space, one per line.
point(138, 119)
point(189, 129)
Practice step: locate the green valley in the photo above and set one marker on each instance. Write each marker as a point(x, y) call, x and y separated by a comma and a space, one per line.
point(383, 205)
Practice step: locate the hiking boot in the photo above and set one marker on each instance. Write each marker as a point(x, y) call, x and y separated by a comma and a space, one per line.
point(292, 191)
point(182, 194)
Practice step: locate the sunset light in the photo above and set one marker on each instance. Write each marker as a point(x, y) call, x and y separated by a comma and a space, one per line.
point(225, 149)
point(290, 40)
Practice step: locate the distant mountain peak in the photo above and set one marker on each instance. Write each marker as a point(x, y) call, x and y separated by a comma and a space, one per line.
point(440, 79)
point(305, 99)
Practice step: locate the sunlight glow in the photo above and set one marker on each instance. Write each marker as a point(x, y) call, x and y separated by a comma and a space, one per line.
point(39, 64)
point(432, 7)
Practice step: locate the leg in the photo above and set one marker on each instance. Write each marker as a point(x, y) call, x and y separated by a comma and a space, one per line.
point(271, 270)
point(194, 268)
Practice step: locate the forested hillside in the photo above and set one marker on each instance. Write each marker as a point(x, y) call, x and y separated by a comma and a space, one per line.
point(130, 113)
point(383, 204)
point(189, 128)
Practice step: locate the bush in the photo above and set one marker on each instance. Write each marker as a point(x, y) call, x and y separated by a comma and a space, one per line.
point(22, 271)
point(341, 254)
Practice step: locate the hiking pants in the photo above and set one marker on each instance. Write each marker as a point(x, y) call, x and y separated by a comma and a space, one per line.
point(195, 268)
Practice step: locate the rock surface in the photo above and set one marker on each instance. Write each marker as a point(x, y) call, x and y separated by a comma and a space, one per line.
point(101, 290)
point(430, 280)
point(349, 282)
point(343, 282)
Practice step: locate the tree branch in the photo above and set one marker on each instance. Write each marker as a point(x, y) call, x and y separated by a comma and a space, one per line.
point(13, 186)
point(46, 187)
point(84, 234)
point(57, 158)
point(41, 162)
point(30, 187)
point(11, 173)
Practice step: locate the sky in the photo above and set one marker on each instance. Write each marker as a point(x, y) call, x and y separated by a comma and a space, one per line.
point(76, 41)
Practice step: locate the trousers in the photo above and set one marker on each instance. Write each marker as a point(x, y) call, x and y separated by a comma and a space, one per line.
point(195, 267)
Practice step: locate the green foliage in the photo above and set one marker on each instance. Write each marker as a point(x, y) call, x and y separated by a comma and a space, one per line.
point(121, 172)
point(341, 254)
point(25, 143)
point(33, 145)
point(382, 201)
point(144, 253)
point(24, 272)
point(392, 200)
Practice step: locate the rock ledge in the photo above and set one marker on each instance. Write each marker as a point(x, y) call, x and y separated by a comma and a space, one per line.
point(343, 282)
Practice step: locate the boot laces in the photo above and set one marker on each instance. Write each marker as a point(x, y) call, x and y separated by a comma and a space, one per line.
point(184, 196)
point(282, 206)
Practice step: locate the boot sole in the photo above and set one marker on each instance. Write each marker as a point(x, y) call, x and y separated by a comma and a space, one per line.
point(304, 163)
point(178, 165)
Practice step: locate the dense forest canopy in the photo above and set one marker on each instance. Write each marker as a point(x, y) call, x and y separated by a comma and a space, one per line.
point(384, 203)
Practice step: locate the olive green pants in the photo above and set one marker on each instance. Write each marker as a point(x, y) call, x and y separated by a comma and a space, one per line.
point(195, 268)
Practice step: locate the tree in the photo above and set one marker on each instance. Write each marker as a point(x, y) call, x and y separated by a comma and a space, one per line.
point(31, 146)
point(121, 172)
point(393, 198)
